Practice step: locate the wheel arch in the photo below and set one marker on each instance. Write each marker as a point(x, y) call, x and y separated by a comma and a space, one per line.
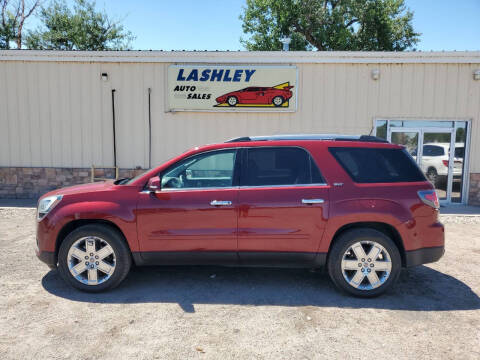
point(384, 228)
point(75, 224)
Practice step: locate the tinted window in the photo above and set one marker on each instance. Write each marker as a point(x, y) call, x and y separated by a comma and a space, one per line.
point(374, 165)
point(212, 169)
point(433, 150)
point(460, 152)
point(280, 166)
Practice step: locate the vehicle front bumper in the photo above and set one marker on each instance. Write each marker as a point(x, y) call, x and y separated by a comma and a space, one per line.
point(48, 257)
point(45, 245)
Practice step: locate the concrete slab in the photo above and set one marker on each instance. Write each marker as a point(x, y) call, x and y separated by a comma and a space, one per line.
point(463, 210)
point(18, 203)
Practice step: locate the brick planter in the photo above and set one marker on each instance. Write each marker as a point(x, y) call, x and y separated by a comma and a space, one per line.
point(28, 182)
point(474, 193)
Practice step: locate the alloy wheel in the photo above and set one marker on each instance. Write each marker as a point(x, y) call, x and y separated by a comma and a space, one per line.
point(277, 100)
point(91, 260)
point(366, 265)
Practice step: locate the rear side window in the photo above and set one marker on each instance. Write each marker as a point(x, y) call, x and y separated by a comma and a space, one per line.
point(376, 165)
point(280, 166)
point(433, 150)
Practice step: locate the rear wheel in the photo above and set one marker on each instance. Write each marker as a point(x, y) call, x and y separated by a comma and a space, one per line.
point(278, 100)
point(364, 262)
point(94, 258)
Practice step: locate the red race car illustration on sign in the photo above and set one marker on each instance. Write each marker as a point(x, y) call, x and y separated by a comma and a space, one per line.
point(257, 96)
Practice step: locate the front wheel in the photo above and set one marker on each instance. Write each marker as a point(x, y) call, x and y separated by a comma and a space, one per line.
point(232, 101)
point(94, 258)
point(364, 262)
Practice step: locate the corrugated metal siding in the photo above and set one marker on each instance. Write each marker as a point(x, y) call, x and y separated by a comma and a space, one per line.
point(60, 113)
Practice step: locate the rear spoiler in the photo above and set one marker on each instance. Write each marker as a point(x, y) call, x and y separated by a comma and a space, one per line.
point(287, 87)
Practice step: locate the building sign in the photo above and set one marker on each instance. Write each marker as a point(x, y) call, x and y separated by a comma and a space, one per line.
point(232, 88)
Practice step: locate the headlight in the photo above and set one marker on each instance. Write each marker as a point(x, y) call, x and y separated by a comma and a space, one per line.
point(45, 205)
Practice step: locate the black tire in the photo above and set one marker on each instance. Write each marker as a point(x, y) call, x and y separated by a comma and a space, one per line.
point(232, 101)
point(344, 242)
point(114, 239)
point(279, 102)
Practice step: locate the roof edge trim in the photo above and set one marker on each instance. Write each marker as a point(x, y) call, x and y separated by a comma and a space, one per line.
point(235, 57)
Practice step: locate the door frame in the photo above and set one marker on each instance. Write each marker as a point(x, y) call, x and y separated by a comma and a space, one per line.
point(421, 132)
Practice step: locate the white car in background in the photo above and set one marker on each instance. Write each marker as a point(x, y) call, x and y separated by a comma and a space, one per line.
point(435, 162)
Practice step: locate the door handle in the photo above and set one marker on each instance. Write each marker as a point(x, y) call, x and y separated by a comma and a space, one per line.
point(312, 201)
point(220, 203)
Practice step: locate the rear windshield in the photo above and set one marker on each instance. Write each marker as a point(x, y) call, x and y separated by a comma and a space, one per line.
point(376, 165)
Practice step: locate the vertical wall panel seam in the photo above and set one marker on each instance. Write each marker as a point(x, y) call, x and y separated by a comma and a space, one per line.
point(68, 114)
point(49, 112)
point(424, 69)
point(27, 121)
point(7, 117)
point(457, 78)
point(83, 119)
point(19, 161)
point(39, 97)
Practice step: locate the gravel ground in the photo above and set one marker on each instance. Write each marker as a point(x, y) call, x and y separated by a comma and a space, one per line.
point(209, 313)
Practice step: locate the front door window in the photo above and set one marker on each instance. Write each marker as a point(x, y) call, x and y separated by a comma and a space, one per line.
point(209, 170)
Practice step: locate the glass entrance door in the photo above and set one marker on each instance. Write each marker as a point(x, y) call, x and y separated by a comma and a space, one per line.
point(460, 162)
point(435, 160)
point(409, 139)
point(431, 150)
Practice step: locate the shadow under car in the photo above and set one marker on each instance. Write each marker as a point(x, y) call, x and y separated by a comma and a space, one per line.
point(418, 289)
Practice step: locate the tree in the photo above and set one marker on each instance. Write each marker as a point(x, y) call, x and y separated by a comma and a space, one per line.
point(13, 17)
point(369, 25)
point(84, 28)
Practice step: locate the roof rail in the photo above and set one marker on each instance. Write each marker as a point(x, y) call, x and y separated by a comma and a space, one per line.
point(332, 137)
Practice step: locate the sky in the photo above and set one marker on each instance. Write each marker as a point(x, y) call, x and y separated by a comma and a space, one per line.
point(215, 25)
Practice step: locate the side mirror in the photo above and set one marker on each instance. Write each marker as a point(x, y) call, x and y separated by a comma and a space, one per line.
point(154, 184)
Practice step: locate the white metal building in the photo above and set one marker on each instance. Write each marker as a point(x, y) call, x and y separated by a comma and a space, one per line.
point(62, 112)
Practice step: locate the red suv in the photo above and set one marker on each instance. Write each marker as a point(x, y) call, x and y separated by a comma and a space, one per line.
point(356, 204)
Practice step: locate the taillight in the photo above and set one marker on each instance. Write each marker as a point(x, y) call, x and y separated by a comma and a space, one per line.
point(445, 162)
point(429, 197)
